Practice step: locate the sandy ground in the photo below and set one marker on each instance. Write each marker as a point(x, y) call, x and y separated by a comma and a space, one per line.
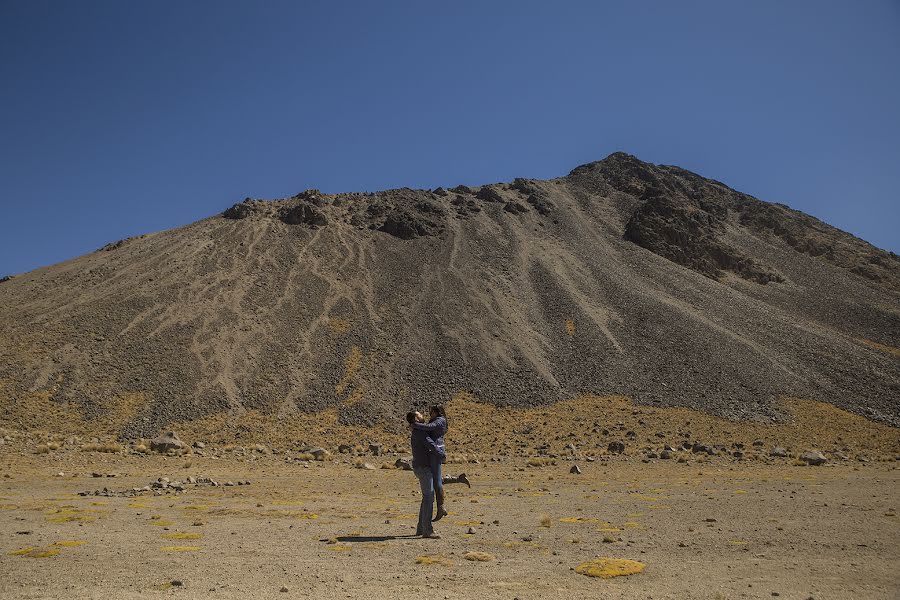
point(329, 530)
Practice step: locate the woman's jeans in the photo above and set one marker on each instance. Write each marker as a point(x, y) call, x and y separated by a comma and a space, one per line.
point(426, 482)
point(436, 462)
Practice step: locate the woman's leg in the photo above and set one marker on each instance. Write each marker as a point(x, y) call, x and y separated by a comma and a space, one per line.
point(436, 464)
point(426, 483)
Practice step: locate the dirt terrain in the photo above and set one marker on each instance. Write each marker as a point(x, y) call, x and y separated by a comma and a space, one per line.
point(621, 278)
point(711, 508)
point(714, 530)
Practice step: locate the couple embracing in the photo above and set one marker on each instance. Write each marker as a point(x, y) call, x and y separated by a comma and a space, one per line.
point(429, 455)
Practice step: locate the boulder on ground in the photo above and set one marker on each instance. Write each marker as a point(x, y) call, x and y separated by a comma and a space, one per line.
point(167, 441)
point(403, 463)
point(616, 447)
point(778, 451)
point(319, 453)
point(813, 458)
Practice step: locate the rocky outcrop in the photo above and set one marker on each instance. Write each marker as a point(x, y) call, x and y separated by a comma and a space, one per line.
point(687, 232)
point(303, 214)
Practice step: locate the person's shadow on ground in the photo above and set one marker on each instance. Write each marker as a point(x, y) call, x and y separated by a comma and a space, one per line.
point(372, 538)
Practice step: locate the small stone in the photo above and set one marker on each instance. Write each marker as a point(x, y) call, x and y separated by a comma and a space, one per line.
point(283, 590)
point(471, 531)
point(177, 583)
point(778, 452)
point(575, 470)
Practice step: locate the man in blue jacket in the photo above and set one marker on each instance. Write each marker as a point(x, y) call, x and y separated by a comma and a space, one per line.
point(422, 447)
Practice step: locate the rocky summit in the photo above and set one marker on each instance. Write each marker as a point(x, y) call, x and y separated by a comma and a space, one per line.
point(621, 278)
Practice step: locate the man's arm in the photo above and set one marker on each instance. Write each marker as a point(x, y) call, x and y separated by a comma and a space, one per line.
point(429, 427)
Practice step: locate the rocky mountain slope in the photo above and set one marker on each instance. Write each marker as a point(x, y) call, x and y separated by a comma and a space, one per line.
point(622, 278)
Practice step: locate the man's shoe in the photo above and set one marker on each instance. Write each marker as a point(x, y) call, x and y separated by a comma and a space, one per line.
point(463, 479)
point(441, 513)
point(432, 536)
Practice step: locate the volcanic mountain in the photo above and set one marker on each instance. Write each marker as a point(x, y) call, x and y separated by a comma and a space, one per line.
point(621, 278)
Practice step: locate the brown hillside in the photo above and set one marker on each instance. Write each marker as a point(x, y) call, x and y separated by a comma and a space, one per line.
point(622, 278)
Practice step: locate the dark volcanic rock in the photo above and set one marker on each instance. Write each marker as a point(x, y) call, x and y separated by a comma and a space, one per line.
point(407, 225)
point(686, 233)
point(238, 211)
point(303, 214)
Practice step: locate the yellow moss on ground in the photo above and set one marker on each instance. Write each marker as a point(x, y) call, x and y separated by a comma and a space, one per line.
point(606, 568)
point(180, 548)
point(180, 535)
point(35, 552)
point(69, 543)
point(478, 556)
point(434, 559)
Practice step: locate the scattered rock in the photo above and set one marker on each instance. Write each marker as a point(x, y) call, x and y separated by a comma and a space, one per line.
point(616, 447)
point(166, 442)
point(778, 452)
point(813, 458)
point(576, 470)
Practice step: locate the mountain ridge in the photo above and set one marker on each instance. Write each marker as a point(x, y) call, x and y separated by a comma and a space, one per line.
point(620, 278)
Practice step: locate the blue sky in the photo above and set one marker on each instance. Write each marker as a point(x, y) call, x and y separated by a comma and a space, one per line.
point(121, 118)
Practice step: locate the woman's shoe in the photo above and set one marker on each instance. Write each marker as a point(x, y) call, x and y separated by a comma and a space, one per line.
point(463, 479)
point(432, 536)
point(441, 513)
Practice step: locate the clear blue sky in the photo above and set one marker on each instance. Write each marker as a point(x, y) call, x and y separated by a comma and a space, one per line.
point(120, 118)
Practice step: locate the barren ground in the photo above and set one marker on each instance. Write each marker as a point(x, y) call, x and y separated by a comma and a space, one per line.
point(717, 529)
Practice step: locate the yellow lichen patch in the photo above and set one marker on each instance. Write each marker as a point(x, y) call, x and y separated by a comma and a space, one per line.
point(69, 543)
point(180, 548)
point(881, 347)
point(578, 520)
point(740, 492)
point(635, 514)
point(644, 497)
point(138, 505)
point(610, 529)
point(287, 502)
point(606, 568)
point(180, 535)
point(478, 556)
point(162, 523)
point(632, 525)
point(71, 518)
point(21, 552)
point(339, 548)
point(356, 396)
point(339, 325)
point(433, 559)
point(351, 366)
point(197, 507)
point(307, 516)
point(570, 327)
point(43, 553)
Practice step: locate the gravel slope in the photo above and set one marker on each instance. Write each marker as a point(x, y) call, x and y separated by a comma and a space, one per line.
point(622, 278)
